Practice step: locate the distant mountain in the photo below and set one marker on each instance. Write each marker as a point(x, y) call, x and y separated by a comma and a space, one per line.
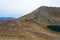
point(6, 18)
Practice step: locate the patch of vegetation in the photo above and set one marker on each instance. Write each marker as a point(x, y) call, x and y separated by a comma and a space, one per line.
point(55, 28)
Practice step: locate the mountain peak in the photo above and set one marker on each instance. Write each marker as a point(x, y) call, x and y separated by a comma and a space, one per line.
point(43, 6)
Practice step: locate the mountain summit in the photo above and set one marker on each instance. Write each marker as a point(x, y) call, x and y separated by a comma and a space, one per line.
point(41, 24)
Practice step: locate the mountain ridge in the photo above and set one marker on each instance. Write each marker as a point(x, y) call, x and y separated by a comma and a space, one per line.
point(2, 19)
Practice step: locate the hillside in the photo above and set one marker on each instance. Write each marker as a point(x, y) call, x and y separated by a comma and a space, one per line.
point(33, 26)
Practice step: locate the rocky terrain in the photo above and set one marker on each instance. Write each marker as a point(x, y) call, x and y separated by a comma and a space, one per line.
point(41, 24)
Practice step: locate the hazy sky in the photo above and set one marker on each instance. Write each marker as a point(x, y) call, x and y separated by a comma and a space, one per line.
point(17, 8)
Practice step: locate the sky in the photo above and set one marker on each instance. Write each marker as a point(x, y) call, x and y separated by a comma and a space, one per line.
point(18, 8)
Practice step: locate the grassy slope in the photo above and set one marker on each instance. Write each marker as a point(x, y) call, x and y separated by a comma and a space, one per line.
point(17, 33)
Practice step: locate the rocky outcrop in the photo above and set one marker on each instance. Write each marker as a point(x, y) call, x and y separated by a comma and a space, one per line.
point(10, 25)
